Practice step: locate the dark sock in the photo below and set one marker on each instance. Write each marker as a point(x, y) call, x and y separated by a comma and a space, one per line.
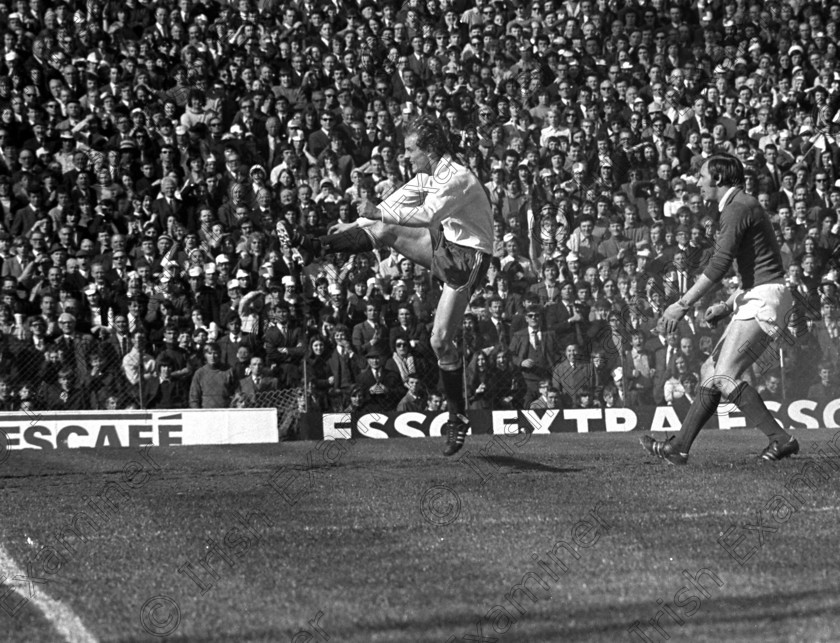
point(453, 390)
point(756, 414)
point(352, 241)
point(703, 408)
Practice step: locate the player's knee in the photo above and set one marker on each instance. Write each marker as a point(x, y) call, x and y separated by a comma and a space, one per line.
point(725, 384)
point(384, 233)
point(440, 344)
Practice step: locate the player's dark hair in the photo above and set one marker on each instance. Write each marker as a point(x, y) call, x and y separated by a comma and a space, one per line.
point(430, 135)
point(727, 170)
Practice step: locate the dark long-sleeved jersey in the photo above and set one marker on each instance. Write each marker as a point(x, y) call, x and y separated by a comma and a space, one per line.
point(746, 237)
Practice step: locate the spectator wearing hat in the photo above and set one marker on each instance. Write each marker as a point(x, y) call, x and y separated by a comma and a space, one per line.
point(170, 294)
point(99, 312)
point(234, 296)
point(327, 193)
point(384, 387)
point(337, 308)
point(39, 138)
point(517, 263)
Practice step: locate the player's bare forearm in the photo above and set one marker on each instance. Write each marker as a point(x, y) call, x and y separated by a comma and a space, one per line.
point(676, 311)
point(342, 226)
point(696, 292)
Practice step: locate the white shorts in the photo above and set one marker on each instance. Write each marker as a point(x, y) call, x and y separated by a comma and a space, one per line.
point(770, 305)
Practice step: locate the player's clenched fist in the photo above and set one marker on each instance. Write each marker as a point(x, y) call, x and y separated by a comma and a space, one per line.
point(715, 313)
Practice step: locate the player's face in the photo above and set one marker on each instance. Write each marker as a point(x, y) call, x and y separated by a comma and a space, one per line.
point(419, 159)
point(707, 185)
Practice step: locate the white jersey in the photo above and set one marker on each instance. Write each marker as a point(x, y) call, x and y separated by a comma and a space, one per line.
point(452, 197)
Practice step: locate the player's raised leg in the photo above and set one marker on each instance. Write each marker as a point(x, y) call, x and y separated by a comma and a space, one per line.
point(363, 236)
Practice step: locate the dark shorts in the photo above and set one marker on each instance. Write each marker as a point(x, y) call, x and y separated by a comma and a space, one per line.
point(457, 266)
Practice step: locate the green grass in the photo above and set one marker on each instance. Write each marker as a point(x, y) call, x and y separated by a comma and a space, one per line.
point(358, 546)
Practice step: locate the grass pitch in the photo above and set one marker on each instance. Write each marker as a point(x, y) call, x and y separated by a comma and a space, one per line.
point(554, 538)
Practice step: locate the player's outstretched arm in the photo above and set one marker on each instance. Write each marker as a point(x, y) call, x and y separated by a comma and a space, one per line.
point(341, 226)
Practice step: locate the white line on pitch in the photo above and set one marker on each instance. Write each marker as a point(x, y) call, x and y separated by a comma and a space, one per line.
point(65, 621)
point(705, 514)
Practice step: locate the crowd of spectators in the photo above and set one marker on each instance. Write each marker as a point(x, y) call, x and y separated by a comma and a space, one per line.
point(148, 151)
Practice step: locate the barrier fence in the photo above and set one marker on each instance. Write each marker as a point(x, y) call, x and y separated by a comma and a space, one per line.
point(91, 376)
